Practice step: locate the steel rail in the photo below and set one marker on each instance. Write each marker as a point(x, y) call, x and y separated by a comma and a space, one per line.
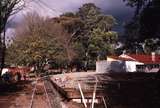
point(33, 94)
point(50, 105)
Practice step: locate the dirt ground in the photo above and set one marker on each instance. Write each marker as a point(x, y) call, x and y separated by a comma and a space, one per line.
point(19, 95)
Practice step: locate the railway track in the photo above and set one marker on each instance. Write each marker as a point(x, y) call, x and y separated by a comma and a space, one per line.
point(40, 94)
point(52, 97)
point(130, 90)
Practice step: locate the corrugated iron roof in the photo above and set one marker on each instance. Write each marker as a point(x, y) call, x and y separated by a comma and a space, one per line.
point(147, 59)
point(121, 58)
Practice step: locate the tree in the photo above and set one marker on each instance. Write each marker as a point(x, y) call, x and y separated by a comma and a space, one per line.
point(150, 45)
point(67, 39)
point(93, 20)
point(145, 24)
point(7, 7)
point(138, 4)
point(29, 43)
point(42, 39)
point(72, 25)
point(102, 43)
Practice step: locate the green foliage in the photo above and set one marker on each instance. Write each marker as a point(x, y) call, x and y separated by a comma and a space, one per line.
point(144, 27)
point(43, 39)
point(68, 39)
point(7, 8)
point(151, 45)
point(96, 27)
point(102, 42)
point(88, 11)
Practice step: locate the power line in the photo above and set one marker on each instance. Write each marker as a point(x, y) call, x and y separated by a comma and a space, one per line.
point(42, 6)
point(48, 6)
point(52, 9)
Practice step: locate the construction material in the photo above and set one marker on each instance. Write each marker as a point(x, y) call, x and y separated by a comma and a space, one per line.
point(94, 93)
point(104, 102)
point(82, 95)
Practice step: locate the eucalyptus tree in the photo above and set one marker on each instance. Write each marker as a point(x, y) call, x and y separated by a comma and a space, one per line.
point(8, 8)
point(67, 39)
point(91, 24)
point(40, 39)
point(144, 26)
point(94, 21)
point(138, 5)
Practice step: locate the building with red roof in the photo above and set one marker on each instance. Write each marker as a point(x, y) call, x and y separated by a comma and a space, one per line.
point(151, 62)
point(130, 63)
point(140, 62)
point(146, 59)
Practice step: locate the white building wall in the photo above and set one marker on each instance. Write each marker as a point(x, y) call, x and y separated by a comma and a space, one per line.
point(102, 66)
point(131, 66)
point(116, 66)
point(110, 66)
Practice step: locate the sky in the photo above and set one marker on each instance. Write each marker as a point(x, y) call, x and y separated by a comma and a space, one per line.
point(53, 8)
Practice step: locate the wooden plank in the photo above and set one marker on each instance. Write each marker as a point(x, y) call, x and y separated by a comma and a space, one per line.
point(82, 95)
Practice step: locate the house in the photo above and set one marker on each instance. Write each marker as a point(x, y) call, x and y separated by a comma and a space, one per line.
point(121, 63)
point(129, 63)
point(151, 63)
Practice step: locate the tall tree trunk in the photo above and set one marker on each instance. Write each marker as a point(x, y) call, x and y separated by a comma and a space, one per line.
point(0, 53)
point(2, 49)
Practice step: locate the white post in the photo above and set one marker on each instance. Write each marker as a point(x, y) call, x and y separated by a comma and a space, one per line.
point(83, 99)
point(153, 56)
point(94, 93)
point(104, 102)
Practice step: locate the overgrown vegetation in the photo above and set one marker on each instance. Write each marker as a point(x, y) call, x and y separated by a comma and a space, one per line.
point(7, 8)
point(73, 39)
point(142, 32)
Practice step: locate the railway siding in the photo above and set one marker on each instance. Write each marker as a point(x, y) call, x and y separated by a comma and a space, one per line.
point(128, 90)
